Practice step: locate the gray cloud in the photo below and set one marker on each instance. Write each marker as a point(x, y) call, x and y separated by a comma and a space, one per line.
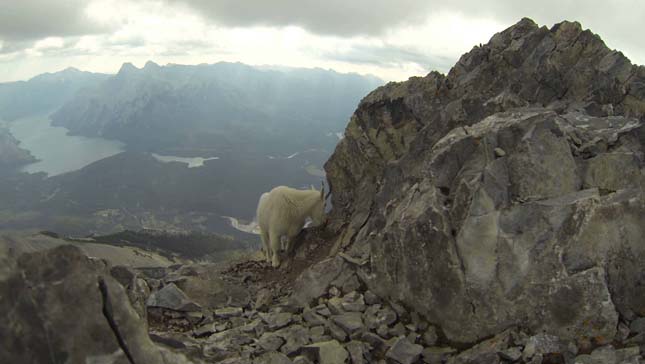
point(22, 20)
point(11, 47)
point(619, 20)
point(389, 55)
point(622, 18)
point(337, 17)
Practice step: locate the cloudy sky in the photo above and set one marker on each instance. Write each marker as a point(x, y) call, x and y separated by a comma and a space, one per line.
point(393, 39)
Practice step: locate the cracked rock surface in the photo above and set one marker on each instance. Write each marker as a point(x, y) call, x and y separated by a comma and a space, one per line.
point(63, 307)
point(510, 192)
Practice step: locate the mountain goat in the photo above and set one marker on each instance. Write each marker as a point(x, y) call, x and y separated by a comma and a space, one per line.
point(281, 214)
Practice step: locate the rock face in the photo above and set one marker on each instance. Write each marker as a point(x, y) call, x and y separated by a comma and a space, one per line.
point(509, 192)
point(64, 307)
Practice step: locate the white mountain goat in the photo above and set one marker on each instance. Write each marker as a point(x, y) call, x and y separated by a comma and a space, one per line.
point(282, 213)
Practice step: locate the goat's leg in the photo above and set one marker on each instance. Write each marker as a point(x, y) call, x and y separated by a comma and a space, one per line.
point(265, 244)
point(290, 241)
point(275, 249)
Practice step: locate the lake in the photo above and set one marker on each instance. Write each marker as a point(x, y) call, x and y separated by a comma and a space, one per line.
point(192, 162)
point(58, 152)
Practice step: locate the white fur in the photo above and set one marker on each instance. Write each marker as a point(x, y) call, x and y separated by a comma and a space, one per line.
point(282, 213)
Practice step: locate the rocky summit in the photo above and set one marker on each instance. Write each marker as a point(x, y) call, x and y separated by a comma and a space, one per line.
point(508, 193)
point(492, 215)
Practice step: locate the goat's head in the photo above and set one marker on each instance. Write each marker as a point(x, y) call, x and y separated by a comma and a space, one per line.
point(318, 211)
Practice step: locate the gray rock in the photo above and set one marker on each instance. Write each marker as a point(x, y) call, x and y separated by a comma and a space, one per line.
point(136, 287)
point(354, 302)
point(437, 355)
point(383, 331)
point(67, 307)
point(172, 298)
point(205, 330)
point(206, 286)
point(228, 312)
point(375, 341)
point(276, 321)
point(511, 354)
point(404, 352)
point(637, 326)
point(334, 291)
point(315, 281)
point(328, 352)
point(356, 351)
point(629, 354)
point(543, 344)
point(323, 310)
point(397, 330)
point(371, 298)
point(401, 312)
point(254, 326)
point(296, 336)
point(229, 341)
point(419, 190)
point(316, 331)
point(486, 351)
point(349, 321)
point(375, 316)
point(270, 341)
point(370, 316)
point(263, 299)
point(335, 305)
point(302, 360)
point(622, 332)
point(608, 355)
point(636, 340)
point(222, 326)
point(235, 359)
point(430, 336)
point(605, 354)
point(584, 359)
point(351, 284)
point(272, 357)
point(539, 359)
point(412, 337)
point(336, 331)
point(312, 318)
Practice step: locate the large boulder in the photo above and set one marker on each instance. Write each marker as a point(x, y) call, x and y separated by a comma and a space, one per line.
point(510, 192)
point(62, 306)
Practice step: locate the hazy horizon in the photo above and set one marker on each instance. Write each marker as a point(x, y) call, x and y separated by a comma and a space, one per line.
point(142, 64)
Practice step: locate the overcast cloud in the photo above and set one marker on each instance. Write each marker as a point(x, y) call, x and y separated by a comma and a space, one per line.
point(32, 19)
point(392, 39)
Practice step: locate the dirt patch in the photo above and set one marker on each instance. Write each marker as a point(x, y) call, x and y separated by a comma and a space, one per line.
point(312, 245)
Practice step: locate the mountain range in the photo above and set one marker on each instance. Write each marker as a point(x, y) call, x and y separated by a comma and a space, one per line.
point(43, 93)
point(210, 109)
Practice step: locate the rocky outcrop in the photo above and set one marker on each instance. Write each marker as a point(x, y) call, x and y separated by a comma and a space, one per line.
point(508, 193)
point(61, 306)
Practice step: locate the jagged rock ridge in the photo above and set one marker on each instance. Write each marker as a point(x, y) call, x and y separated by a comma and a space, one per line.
point(509, 192)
